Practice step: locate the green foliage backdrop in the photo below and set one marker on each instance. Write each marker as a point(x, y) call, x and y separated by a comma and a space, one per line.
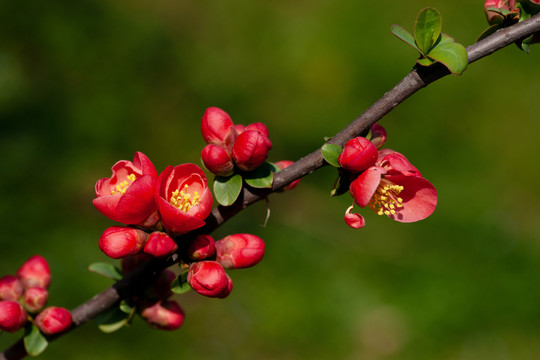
point(86, 83)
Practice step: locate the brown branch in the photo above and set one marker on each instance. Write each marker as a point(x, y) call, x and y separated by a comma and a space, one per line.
point(417, 79)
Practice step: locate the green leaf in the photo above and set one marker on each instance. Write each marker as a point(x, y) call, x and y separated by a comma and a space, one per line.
point(125, 307)
point(113, 319)
point(425, 61)
point(490, 30)
point(34, 341)
point(180, 284)
point(227, 189)
point(451, 54)
point(107, 270)
point(404, 35)
point(330, 153)
point(427, 29)
point(262, 177)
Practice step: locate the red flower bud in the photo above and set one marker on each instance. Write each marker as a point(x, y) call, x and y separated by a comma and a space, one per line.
point(217, 160)
point(494, 17)
point(378, 135)
point(183, 198)
point(239, 251)
point(120, 241)
point(215, 125)
point(12, 316)
point(250, 150)
point(202, 247)
point(128, 195)
point(282, 164)
point(227, 290)
point(161, 287)
point(358, 154)
point(164, 315)
point(239, 128)
point(35, 272)
point(208, 278)
point(159, 244)
point(260, 127)
point(54, 320)
point(10, 288)
point(35, 299)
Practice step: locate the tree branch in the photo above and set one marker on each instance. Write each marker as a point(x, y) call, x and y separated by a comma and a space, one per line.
point(417, 79)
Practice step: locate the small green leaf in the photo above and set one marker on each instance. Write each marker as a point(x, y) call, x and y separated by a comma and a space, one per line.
point(107, 270)
point(125, 307)
point(425, 61)
point(451, 54)
point(330, 153)
point(34, 341)
point(490, 30)
point(404, 35)
point(180, 284)
point(227, 189)
point(427, 29)
point(113, 319)
point(262, 177)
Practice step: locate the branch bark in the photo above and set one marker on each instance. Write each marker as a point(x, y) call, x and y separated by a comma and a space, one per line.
point(417, 79)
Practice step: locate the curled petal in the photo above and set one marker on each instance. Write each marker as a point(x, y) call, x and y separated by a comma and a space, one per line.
point(356, 221)
point(396, 163)
point(365, 185)
point(419, 198)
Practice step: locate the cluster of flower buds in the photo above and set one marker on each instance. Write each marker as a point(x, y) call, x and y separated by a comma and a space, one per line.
point(502, 13)
point(384, 180)
point(211, 258)
point(498, 11)
point(230, 145)
point(23, 297)
point(154, 304)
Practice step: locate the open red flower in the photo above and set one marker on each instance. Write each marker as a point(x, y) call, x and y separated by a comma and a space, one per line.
point(392, 187)
point(183, 198)
point(128, 195)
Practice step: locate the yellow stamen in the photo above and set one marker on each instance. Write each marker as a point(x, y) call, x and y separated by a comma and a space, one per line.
point(385, 199)
point(182, 199)
point(122, 187)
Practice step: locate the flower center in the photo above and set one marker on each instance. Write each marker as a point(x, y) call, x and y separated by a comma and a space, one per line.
point(123, 186)
point(182, 199)
point(386, 200)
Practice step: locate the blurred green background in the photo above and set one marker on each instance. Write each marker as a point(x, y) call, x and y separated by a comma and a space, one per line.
point(86, 83)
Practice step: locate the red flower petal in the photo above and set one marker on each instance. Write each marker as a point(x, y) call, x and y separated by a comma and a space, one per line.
point(396, 163)
point(419, 198)
point(356, 221)
point(364, 186)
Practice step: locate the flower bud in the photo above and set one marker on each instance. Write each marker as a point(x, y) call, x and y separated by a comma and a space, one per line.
point(54, 320)
point(239, 128)
point(208, 278)
point(239, 251)
point(494, 17)
point(215, 125)
point(120, 241)
point(250, 150)
point(260, 127)
point(217, 160)
point(159, 244)
point(358, 154)
point(35, 272)
point(282, 164)
point(164, 315)
point(11, 288)
point(227, 290)
point(378, 135)
point(12, 316)
point(35, 299)
point(202, 247)
point(161, 287)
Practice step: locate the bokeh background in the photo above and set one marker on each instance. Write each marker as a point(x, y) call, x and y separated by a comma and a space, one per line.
point(86, 83)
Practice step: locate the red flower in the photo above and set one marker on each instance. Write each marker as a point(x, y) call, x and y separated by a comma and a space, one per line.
point(35, 272)
point(164, 315)
point(183, 198)
point(216, 126)
point(11, 288)
point(121, 241)
point(12, 316)
point(358, 154)
point(250, 149)
point(35, 299)
point(128, 195)
point(393, 187)
point(202, 247)
point(208, 278)
point(239, 251)
point(217, 160)
point(282, 164)
point(159, 244)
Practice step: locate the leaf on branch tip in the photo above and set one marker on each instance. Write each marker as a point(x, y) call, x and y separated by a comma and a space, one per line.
point(107, 270)
point(404, 35)
point(113, 319)
point(427, 29)
point(451, 54)
point(34, 341)
point(180, 284)
point(330, 153)
point(227, 189)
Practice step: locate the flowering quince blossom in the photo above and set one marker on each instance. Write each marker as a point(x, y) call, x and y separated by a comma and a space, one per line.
point(503, 5)
point(128, 195)
point(392, 187)
point(164, 315)
point(183, 198)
